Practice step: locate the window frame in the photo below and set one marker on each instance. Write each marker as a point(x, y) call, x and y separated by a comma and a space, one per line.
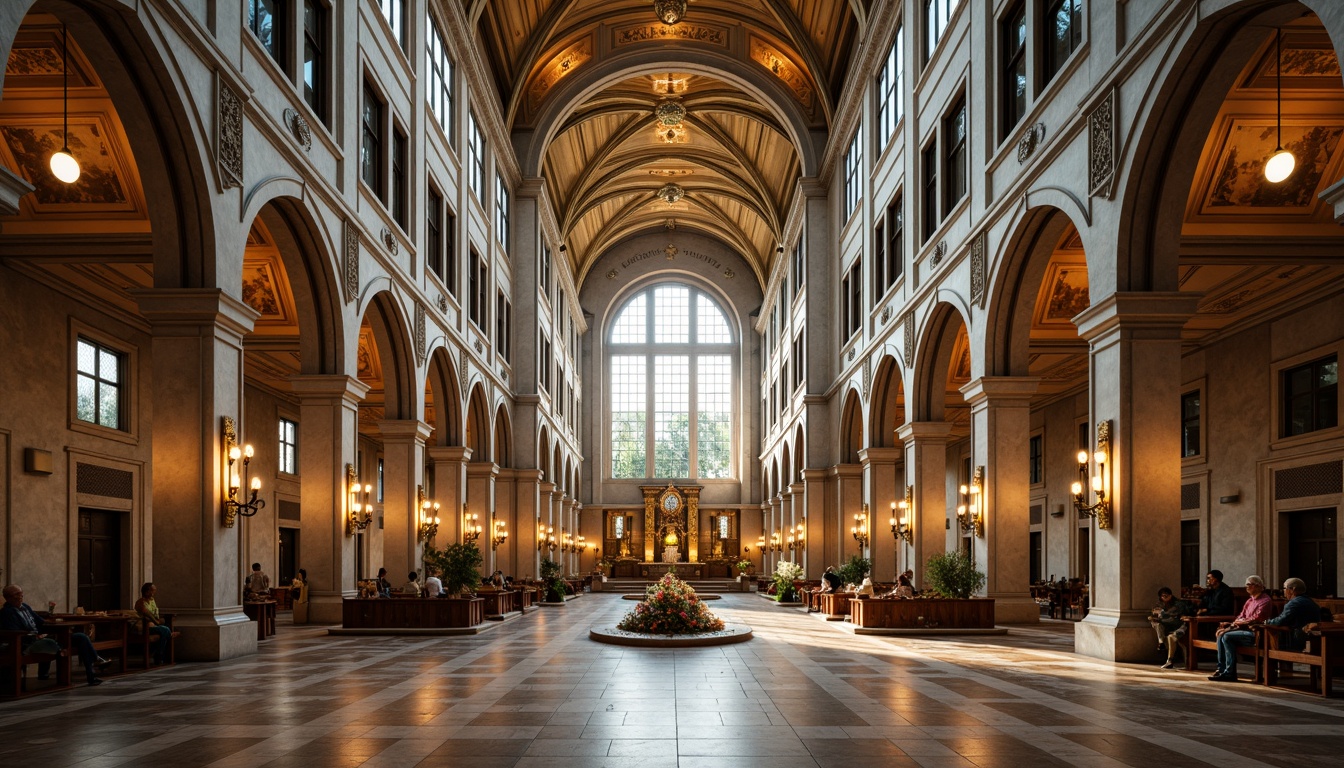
point(434, 251)
point(373, 130)
point(929, 190)
point(394, 13)
point(501, 211)
point(1050, 67)
point(319, 40)
point(475, 158)
point(477, 308)
point(956, 160)
point(1282, 374)
point(399, 178)
point(890, 89)
point(291, 468)
point(1036, 465)
point(439, 91)
point(124, 385)
point(854, 174)
point(278, 51)
point(894, 249)
point(1198, 394)
point(1012, 59)
point(937, 19)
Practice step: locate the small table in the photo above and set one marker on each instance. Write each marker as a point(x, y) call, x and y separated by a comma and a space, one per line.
point(262, 612)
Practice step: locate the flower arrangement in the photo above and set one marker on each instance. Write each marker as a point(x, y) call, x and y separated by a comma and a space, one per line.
point(743, 566)
point(670, 607)
point(786, 573)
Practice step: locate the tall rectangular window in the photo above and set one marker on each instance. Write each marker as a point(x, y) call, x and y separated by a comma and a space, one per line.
point(501, 211)
point(371, 141)
point(895, 241)
point(450, 270)
point(1311, 397)
point(503, 326)
point(1062, 33)
point(400, 179)
point(890, 90)
point(315, 65)
point(434, 233)
point(879, 259)
point(1036, 459)
point(395, 13)
point(1190, 424)
point(475, 158)
point(544, 271)
point(1013, 88)
point(1190, 570)
point(476, 308)
point(629, 393)
point(289, 447)
point(853, 173)
point(851, 301)
point(799, 360)
point(544, 364)
point(671, 416)
point(954, 169)
point(799, 267)
point(929, 162)
point(937, 14)
point(266, 19)
point(714, 422)
point(98, 383)
point(439, 89)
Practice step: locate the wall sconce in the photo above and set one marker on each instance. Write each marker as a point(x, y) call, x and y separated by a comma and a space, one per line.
point(499, 536)
point(971, 511)
point(550, 539)
point(361, 511)
point(860, 528)
point(791, 543)
point(800, 530)
point(471, 526)
point(1102, 508)
point(232, 506)
point(900, 526)
point(429, 524)
point(775, 544)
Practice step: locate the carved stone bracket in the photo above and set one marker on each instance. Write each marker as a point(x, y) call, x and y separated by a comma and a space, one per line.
point(480, 348)
point(420, 332)
point(978, 259)
point(1101, 143)
point(228, 134)
point(1033, 138)
point(299, 129)
point(908, 337)
point(389, 241)
point(443, 303)
point(886, 314)
point(939, 251)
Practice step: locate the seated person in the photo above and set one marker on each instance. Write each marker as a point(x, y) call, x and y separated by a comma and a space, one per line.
point(1218, 599)
point(830, 581)
point(258, 585)
point(1297, 613)
point(497, 579)
point(903, 590)
point(1166, 622)
point(433, 585)
point(384, 586)
point(1238, 633)
point(412, 585)
point(148, 610)
point(866, 588)
point(17, 615)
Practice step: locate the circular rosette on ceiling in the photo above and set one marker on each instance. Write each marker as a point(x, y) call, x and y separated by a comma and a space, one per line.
point(670, 112)
point(671, 193)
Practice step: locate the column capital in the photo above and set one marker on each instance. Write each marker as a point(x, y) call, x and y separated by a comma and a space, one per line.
point(482, 469)
point(1334, 196)
point(12, 188)
point(530, 186)
point(881, 454)
point(193, 307)
point(328, 386)
point(449, 453)
point(812, 186)
point(546, 486)
point(846, 470)
point(798, 488)
point(924, 431)
point(529, 475)
point(405, 430)
point(813, 475)
point(1000, 390)
point(1151, 314)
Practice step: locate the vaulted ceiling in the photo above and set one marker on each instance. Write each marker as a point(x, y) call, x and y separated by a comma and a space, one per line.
point(696, 125)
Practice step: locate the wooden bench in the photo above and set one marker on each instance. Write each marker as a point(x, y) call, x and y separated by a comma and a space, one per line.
point(140, 643)
point(1201, 634)
point(1323, 655)
point(107, 633)
point(14, 662)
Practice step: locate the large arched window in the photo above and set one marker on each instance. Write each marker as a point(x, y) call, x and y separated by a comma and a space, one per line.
point(670, 353)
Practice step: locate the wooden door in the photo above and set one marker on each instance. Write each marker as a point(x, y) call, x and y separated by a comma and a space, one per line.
point(289, 556)
point(99, 574)
point(1311, 550)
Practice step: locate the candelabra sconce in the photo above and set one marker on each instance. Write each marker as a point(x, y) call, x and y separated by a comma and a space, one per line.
point(900, 523)
point(800, 532)
point(971, 511)
point(429, 522)
point(776, 544)
point(232, 506)
point(1101, 509)
point(580, 544)
point(471, 526)
point(860, 528)
point(550, 539)
point(499, 534)
point(361, 511)
point(541, 536)
point(791, 543)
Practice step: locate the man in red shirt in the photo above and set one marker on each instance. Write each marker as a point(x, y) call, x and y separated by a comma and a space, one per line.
point(1238, 634)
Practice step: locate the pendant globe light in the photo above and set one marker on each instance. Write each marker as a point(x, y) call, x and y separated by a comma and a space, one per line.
point(64, 166)
point(1280, 165)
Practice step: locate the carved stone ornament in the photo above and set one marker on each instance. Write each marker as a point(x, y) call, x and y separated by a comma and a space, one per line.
point(1030, 140)
point(939, 251)
point(670, 112)
point(867, 375)
point(298, 128)
point(730, 274)
point(1101, 148)
point(670, 11)
point(480, 348)
point(851, 354)
point(443, 303)
point(229, 134)
point(420, 332)
point(671, 193)
point(389, 241)
point(908, 334)
point(978, 270)
point(611, 274)
point(350, 268)
point(886, 314)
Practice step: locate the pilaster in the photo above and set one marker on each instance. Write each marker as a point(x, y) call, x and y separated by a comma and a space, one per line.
point(403, 471)
point(883, 478)
point(926, 470)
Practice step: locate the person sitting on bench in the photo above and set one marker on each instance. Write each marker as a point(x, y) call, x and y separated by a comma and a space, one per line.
point(1297, 613)
point(18, 616)
point(148, 610)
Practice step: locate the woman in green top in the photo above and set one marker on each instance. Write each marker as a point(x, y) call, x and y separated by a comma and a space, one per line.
point(149, 611)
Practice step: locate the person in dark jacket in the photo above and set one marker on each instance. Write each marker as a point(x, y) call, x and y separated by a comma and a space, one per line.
point(1217, 599)
point(1298, 612)
point(17, 615)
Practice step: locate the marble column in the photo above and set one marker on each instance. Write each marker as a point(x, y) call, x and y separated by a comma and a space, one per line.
point(926, 470)
point(403, 472)
point(328, 430)
point(1135, 341)
point(883, 475)
point(822, 539)
point(197, 343)
point(498, 558)
point(848, 494)
point(449, 465)
point(546, 496)
point(523, 534)
point(798, 496)
point(1000, 428)
point(481, 477)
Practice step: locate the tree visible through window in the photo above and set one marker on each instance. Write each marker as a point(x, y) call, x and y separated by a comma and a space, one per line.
point(672, 370)
point(98, 385)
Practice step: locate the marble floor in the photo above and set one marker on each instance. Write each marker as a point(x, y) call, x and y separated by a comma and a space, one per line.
point(536, 693)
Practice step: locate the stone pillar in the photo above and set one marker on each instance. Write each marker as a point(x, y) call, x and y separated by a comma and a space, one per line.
point(481, 502)
point(328, 431)
point(403, 472)
point(884, 487)
point(798, 495)
point(545, 517)
point(197, 381)
point(523, 534)
point(926, 470)
point(499, 558)
point(1135, 341)
point(848, 493)
point(449, 465)
point(822, 526)
point(1000, 428)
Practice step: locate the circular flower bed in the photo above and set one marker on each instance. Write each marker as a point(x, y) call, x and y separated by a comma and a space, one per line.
point(670, 607)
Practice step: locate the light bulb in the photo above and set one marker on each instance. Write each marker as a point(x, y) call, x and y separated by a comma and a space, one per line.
point(247, 451)
point(234, 453)
point(256, 483)
point(234, 482)
point(64, 166)
point(1099, 457)
point(1278, 168)
point(1076, 488)
point(1082, 457)
point(1096, 483)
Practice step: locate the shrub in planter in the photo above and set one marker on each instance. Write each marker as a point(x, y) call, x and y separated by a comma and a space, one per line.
point(554, 589)
point(854, 571)
point(786, 573)
point(460, 565)
point(952, 574)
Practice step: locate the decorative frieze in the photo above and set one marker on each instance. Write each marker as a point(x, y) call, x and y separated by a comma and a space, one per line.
point(350, 267)
point(420, 332)
point(1030, 140)
point(299, 129)
point(978, 270)
point(908, 337)
point(228, 134)
point(1101, 147)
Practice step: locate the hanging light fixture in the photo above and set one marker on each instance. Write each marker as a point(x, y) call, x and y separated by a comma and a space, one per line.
point(1280, 165)
point(64, 166)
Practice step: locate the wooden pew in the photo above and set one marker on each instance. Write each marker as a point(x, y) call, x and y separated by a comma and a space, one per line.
point(1323, 655)
point(14, 662)
point(138, 644)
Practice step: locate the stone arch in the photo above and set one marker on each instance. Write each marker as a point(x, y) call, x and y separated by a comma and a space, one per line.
point(557, 461)
point(503, 442)
point(478, 424)
point(543, 448)
point(785, 470)
point(933, 360)
point(392, 335)
point(447, 420)
point(799, 451)
point(851, 428)
point(886, 403)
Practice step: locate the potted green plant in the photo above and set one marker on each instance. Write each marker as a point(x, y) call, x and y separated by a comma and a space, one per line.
point(553, 589)
point(953, 575)
point(460, 565)
point(786, 573)
point(854, 571)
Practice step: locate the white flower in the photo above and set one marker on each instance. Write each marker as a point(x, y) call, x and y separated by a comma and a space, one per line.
point(787, 569)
